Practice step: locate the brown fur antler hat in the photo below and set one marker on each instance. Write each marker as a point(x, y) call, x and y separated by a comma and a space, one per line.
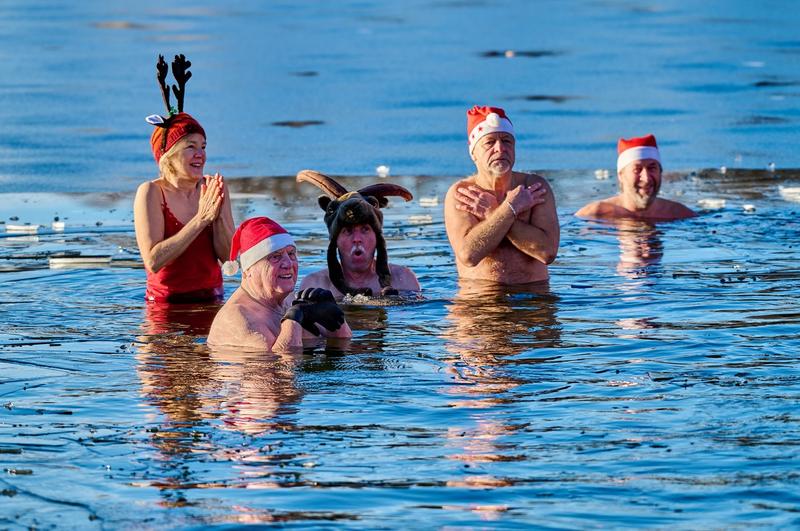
point(362, 207)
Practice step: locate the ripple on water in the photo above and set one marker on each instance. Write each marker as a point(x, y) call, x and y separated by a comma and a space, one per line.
point(650, 383)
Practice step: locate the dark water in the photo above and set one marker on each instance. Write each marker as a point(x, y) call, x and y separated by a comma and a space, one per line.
point(346, 86)
point(653, 383)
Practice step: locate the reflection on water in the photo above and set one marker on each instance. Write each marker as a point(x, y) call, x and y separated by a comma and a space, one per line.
point(652, 383)
point(257, 391)
point(640, 248)
point(489, 325)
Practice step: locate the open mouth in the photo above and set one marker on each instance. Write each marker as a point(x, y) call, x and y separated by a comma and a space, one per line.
point(286, 277)
point(358, 252)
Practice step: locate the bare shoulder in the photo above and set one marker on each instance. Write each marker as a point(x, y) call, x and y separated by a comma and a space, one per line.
point(604, 208)
point(448, 198)
point(461, 182)
point(403, 278)
point(532, 178)
point(590, 210)
point(227, 322)
point(675, 210)
point(233, 327)
point(148, 190)
point(317, 279)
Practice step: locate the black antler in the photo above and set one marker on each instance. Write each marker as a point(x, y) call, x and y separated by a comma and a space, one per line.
point(180, 70)
point(162, 69)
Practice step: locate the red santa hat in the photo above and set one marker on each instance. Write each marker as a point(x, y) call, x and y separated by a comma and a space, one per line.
point(632, 149)
point(484, 120)
point(253, 240)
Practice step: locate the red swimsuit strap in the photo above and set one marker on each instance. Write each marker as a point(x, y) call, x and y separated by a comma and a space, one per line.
point(165, 208)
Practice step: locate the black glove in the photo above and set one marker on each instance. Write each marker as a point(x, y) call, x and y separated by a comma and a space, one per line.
point(389, 291)
point(315, 305)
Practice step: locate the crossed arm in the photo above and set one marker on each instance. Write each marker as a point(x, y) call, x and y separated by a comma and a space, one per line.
point(477, 222)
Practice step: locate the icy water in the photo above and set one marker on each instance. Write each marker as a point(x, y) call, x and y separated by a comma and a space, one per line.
point(653, 383)
point(346, 86)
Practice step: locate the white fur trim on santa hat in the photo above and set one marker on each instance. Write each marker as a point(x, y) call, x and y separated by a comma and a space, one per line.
point(493, 123)
point(637, 153)
point(263, 248)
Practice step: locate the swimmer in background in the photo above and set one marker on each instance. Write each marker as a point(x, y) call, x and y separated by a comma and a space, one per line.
point(502, 224)
point(183, 218)
point(355, 226)
point(639, 173)
point(261, 314)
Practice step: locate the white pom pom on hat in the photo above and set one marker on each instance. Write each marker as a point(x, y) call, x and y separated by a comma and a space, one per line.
point(229, 268)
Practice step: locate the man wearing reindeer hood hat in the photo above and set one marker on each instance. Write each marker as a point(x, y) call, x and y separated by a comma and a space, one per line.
point(355, 226)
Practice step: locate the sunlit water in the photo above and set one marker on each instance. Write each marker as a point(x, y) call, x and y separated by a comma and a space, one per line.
point(346, 86)
point(654, 383)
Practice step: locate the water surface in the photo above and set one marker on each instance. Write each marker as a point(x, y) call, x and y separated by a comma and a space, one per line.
point(653, 383)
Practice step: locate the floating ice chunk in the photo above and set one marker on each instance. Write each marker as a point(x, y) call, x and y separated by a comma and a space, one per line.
point(382, 170)
point(791, 193)
point(748, 208)
point(429, 201)
point(754, 64)
point(711, 203)
point(420, 219)
point(79, 262)
point(601, 175)
point(27, 228)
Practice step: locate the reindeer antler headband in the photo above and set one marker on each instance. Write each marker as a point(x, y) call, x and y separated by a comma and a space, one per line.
point(177, 124)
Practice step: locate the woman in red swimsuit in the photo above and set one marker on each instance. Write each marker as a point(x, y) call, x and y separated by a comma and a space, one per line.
point(183, 218)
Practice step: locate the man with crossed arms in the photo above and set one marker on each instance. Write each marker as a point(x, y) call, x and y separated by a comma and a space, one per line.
point(502, 224)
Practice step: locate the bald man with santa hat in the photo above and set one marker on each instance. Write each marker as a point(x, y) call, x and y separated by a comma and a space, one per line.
point(639, 177)
point(502, 224)
point(263, 314)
